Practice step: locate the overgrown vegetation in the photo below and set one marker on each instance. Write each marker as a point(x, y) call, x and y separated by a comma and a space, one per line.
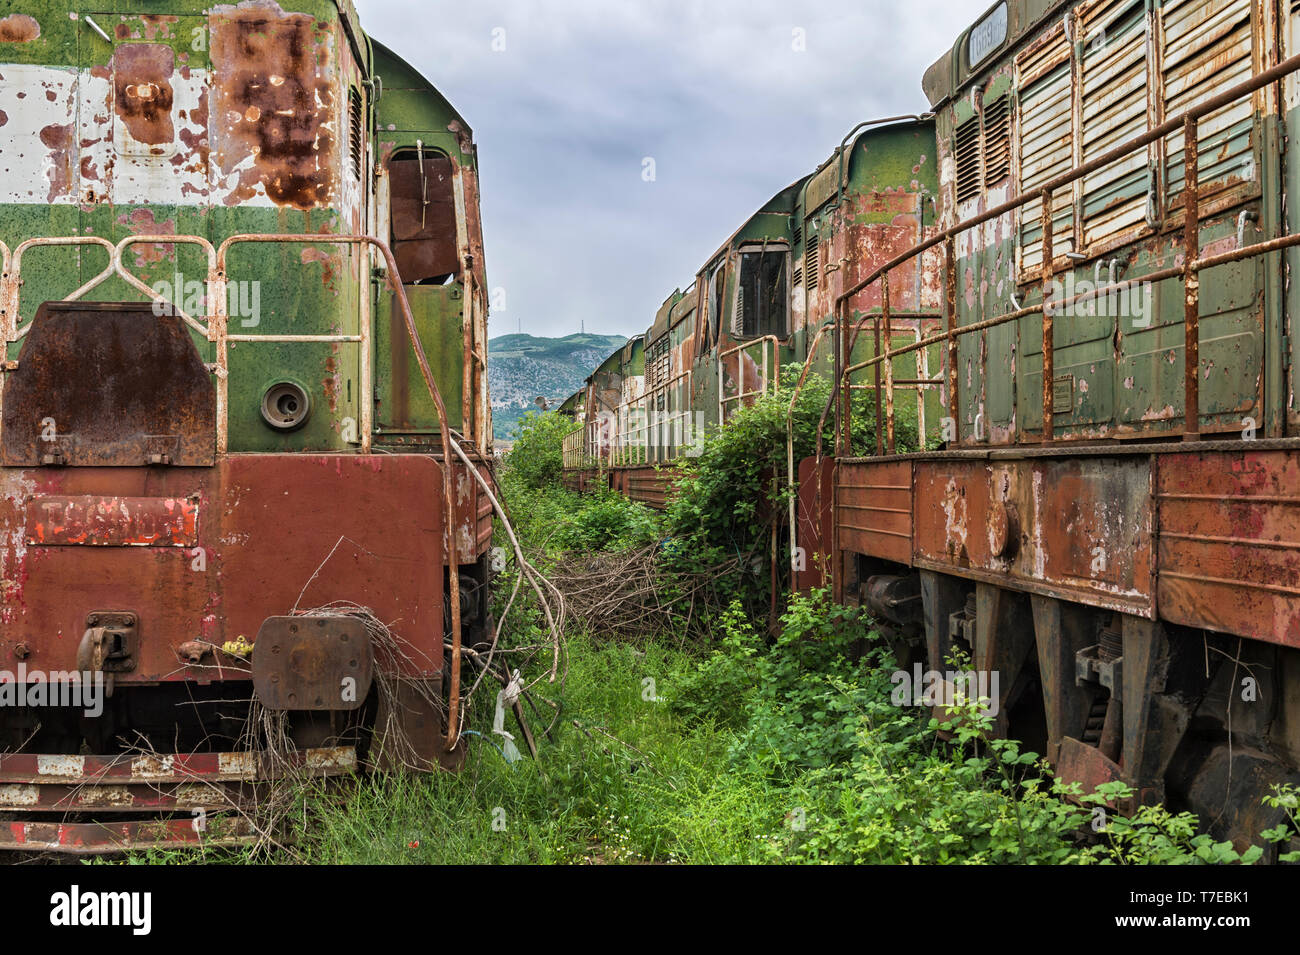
point(741, 746)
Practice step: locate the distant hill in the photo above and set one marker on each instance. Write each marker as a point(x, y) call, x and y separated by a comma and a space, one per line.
point(521, 367)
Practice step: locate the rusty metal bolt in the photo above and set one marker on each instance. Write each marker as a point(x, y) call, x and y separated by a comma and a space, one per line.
point(22, 651)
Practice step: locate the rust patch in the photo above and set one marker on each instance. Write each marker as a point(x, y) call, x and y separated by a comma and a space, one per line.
point(58, 139)
point(275, 103)
point(142, 91)
point(4, 117)
point(19, 28)
point(322, 256)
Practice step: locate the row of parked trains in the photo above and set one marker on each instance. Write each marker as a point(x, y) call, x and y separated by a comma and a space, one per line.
point(242, 367)
point(1066, 298)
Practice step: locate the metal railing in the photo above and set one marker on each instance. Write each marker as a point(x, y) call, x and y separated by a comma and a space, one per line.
point(213, 325)
point(573, 452)
point(771, 370)
point(644, 442)
point(213, 328)
point(1189, 271)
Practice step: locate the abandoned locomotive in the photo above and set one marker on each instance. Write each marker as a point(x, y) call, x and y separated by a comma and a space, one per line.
point(244, 397)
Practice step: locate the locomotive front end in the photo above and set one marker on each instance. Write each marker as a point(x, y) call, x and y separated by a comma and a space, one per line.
point(235, 539)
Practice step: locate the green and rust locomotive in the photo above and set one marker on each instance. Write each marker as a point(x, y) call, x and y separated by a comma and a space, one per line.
point(1104, 331)
point(243, 399)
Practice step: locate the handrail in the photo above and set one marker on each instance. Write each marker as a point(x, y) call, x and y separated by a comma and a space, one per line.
point(665, 389)
point(1189, 269)
point(134, 282)
point(215, 331)
point(765, 340)
point(13, 290)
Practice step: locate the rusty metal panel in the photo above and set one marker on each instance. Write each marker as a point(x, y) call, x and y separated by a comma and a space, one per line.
point(816, 492)
point(143, 98)
point(318, 662)
point(1077, 528)
point(1229, 549)
point(277, 109)
point(423, 218)
point(873, 504)
point(649, 485)
point(94, 838)
point(98, 521)
point(108, 385)
point(277, 533)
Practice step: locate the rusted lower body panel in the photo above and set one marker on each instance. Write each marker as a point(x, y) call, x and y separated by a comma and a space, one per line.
point(275, 533)
point(646, 485)
point(1206, 539)
point(816, 490)
point(575, 479)
point(873, 504)
point(473, 508)
point(1229, 554)
point(1075, 528)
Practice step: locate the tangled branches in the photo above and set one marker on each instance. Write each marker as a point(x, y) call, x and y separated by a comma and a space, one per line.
point(626, 595)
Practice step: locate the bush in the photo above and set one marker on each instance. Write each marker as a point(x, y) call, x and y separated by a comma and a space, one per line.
point(606, 520)
point(537, 458)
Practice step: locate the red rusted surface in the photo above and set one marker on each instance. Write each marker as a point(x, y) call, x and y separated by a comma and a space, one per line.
point(275, 533)
point(473, 508)
point(142, 74)
point(1085, 765)
point(423, 218)
point(303, 663)
point(168, 768)
point(1229, 553)
point(648, 485)
point(275, 104)
point(97, 521)
point(108, 384)
point(1079, 528)
point(816, 490)
point(92, 838)
point(874, 508)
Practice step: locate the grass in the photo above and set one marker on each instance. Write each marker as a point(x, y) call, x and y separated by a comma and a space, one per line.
point(743, 750)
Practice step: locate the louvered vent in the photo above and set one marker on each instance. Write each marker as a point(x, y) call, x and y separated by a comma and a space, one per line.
point(966, 150)
point(798, 230)
point(354, 131)
point(997, 140)
point(798, 270)
point(811, 267)
point(738, 316)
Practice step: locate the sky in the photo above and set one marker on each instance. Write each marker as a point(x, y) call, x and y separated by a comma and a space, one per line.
point(622, 141)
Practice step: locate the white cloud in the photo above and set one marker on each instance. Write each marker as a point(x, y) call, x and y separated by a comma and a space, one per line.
point(712, 90)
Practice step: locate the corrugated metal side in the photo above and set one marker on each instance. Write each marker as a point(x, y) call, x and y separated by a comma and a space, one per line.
point(873, 507)
point(1229, 549)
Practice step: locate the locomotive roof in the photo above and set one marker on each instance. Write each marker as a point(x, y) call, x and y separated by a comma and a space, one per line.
point(398, 74)
point(1000, 29)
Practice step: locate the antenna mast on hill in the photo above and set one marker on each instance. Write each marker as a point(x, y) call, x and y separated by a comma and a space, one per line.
point(582, 326)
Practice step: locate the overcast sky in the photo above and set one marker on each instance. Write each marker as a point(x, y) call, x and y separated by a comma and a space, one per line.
point(718, 94)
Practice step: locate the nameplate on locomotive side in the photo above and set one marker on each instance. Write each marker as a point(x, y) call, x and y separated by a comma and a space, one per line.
point(98, 521)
